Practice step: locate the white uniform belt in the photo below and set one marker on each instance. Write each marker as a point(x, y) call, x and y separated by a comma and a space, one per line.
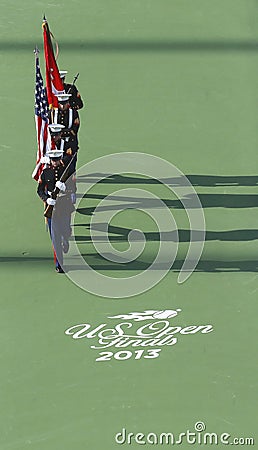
point(61, 193)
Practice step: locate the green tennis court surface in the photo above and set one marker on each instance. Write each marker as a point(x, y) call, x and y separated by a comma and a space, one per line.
point(178, 80)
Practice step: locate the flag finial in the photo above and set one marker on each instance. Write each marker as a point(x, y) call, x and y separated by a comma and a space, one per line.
point(44, 18)
point(36, 51)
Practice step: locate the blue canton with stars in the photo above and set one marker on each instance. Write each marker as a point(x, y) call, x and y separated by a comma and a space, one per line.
point(41, 104)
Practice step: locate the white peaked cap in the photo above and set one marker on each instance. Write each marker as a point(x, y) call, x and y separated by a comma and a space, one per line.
point(55, 153)
point(63, 97)
point(55, 127)
point(62, 73)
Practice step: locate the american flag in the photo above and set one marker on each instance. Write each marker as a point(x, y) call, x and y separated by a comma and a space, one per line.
point(41, 118)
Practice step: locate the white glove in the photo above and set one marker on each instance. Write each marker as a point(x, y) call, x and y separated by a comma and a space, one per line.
point(51, 201)
point(45, 160)
point(61, 186)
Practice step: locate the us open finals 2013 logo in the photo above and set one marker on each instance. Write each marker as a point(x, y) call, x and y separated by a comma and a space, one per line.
point(139, 335)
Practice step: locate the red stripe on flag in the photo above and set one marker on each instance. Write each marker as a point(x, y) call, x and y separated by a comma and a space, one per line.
point(54, 84)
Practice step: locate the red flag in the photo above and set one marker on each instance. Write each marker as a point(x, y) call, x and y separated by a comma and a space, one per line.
point(41, 118)
point(54, 84)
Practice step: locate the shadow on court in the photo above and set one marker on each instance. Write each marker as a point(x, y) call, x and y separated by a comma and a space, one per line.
point(207, 201)
point(99, 263)
point(195, 180)
point(120, 234)
point(144, 46)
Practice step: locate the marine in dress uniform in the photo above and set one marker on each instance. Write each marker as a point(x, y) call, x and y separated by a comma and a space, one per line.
point(75, 100)
point(69, 119)
point(60, 227)
point(69, 148)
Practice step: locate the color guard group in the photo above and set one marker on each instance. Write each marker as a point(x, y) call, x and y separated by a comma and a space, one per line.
point(57, 126)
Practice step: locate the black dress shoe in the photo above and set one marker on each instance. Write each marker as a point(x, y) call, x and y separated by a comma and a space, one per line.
point(59, 269)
